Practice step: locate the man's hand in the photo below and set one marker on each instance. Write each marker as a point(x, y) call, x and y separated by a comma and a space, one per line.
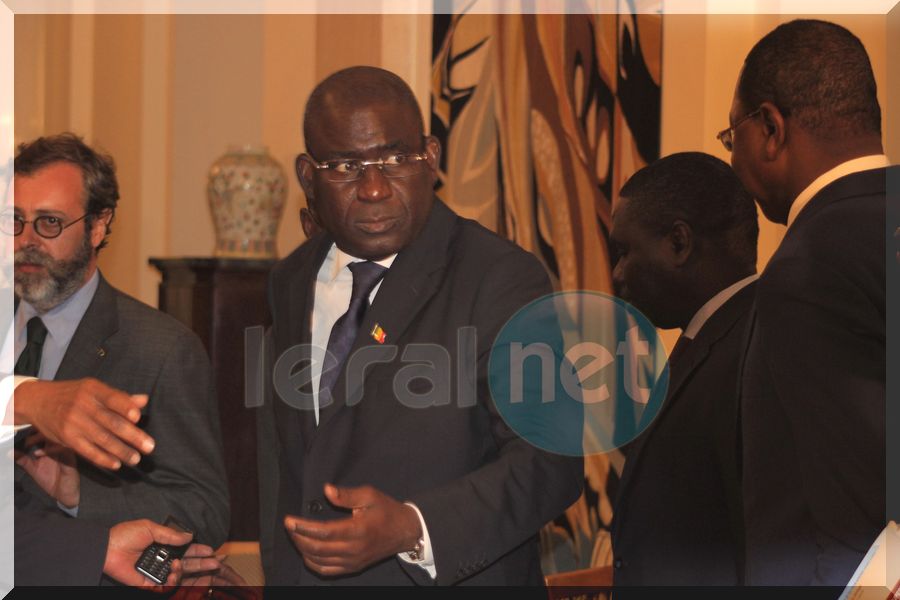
point(53, 468)
point(91, 418)
point(379, 527)
point(126, 543)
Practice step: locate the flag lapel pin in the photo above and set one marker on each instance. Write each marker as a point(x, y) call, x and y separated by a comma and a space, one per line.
point(378, 334)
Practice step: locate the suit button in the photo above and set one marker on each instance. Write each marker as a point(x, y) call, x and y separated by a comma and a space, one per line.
point(314, 506)
point(618, 563)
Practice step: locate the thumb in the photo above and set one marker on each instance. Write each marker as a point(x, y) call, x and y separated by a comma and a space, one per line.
point(346, 497)
point(166, 535)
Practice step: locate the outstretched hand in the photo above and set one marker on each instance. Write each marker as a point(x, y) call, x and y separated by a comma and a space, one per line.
point(378, 527)
point(96, 421)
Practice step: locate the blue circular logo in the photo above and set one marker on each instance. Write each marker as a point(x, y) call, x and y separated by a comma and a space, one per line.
point(578, 373)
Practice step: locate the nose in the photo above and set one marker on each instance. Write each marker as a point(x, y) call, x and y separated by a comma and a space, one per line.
point(374, 186)
point(27, 238)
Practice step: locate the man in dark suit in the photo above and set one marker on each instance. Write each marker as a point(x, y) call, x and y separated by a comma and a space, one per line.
point(684, 232)
point(805, 138)
point(70, 325)
point(395, 467)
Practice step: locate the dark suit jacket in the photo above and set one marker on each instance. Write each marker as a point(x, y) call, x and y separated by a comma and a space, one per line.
point(677, 519)
point(813, 395)
point(54, 549)
point(140, 350)
point(484, 492)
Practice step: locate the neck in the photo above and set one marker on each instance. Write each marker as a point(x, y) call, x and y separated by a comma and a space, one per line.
point(712, 281)
point(815, 156)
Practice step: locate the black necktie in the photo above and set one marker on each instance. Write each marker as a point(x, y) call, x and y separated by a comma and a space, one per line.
point(29, 362)
point(678, 352)
point(366, 276)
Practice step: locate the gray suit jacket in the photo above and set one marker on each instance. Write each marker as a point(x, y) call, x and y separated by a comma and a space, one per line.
point(135, 348)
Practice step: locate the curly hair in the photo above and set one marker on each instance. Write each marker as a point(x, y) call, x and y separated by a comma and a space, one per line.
point(98, 171)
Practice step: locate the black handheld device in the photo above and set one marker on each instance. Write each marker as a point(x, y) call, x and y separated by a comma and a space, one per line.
point(156, 560)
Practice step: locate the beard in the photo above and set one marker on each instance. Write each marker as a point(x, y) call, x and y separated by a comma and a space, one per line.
point(61, 278)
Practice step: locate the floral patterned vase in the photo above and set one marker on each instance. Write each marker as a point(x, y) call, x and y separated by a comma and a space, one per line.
point(246, 192)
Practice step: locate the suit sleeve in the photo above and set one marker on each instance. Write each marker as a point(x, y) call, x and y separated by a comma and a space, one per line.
point(824, 344)
point(53, 549)
point(185, 474)
point(478, 518)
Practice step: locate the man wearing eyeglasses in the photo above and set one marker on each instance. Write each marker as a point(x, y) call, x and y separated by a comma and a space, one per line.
point(805, 138)
point(115, 361)
point(388, 478)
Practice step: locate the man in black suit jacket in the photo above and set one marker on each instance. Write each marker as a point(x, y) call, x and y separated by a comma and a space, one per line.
point(684, 232)
point(66, 194)
point(806, 141)
point(404, 473)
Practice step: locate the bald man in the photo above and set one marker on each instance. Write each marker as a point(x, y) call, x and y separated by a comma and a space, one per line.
point(387, 478)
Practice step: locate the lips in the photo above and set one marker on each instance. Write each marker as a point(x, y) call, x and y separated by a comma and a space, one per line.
point(377, 225)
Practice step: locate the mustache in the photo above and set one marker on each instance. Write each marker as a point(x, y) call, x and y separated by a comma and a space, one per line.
point(32, 256)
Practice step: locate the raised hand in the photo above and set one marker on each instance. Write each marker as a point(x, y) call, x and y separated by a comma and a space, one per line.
point(96, 421)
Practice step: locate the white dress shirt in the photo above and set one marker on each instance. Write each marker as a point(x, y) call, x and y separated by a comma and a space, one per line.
point(61, 322)
point(713, 304)
point(863, 163)
point(334, 286)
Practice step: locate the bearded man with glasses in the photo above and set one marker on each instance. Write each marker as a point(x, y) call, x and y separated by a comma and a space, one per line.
point(99, 362)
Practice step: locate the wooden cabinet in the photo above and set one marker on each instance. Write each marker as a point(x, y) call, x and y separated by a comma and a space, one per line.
point(219, 299)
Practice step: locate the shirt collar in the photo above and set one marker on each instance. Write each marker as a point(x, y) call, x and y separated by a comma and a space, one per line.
point(863, 163)
point(62, 320)
point(714, 304)
point(341, 259)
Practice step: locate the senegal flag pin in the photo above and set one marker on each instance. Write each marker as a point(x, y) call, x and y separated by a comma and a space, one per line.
point(378, 334)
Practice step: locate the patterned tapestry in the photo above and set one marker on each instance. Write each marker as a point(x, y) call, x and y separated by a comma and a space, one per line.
point(542, 119)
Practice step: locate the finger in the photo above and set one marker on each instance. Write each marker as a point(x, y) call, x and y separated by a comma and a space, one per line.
point(94, 454)
point(166, 535)
point(339, 529)
point(199, 550)
point(126, 405)
point(124, 433)
point(197, 565)
point(348, 497)
point(326, 570)
point(329, 549)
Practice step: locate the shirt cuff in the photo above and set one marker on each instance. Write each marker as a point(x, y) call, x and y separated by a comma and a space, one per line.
point(72, 512)
point(7, 386)
point(427, 560)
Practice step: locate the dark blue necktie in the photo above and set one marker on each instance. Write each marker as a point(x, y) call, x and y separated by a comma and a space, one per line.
point(29, 362)
point(366, 276)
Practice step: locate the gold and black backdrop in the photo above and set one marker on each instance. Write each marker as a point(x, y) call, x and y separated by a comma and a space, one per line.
point(542, 119)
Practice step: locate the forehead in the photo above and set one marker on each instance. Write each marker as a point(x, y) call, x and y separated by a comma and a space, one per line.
point(359, 130)
point(55, 187)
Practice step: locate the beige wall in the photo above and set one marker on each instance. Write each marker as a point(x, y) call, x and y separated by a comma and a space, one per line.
point(167, 94)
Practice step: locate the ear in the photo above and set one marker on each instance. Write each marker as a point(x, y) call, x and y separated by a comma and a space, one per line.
point(100, 226)
point(304, 168)
point(681, 242)
point(775, 130)
point(432, 153)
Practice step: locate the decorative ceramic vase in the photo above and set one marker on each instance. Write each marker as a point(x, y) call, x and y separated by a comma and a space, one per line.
point(246, 192)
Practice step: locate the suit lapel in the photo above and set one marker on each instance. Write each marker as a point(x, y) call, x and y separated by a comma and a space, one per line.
point(302, 296)
point(719, 324)
point(88, 348)
point(413, 278)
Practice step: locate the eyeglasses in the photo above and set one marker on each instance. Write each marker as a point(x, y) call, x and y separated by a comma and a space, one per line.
point(46, 226)
point(726, 136)
point(350, 169)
